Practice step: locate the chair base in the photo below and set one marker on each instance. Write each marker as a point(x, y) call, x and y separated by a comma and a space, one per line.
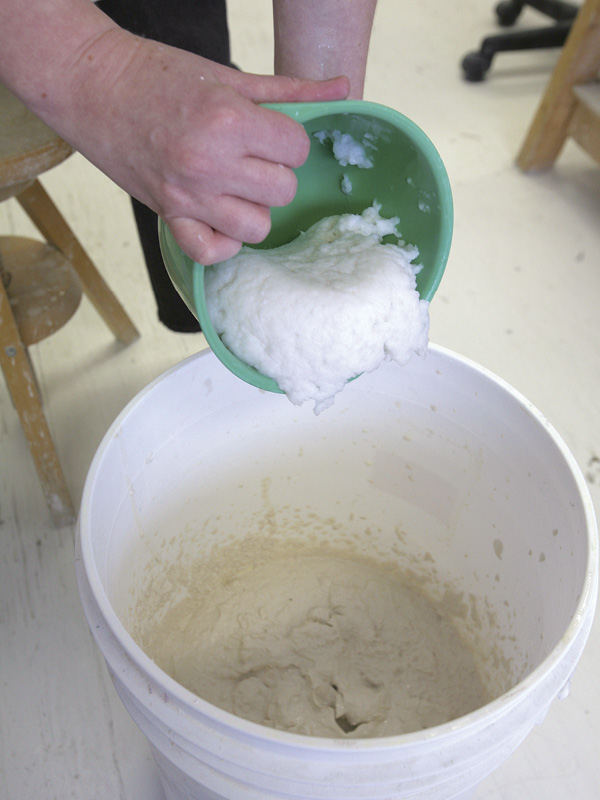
point(475, 65)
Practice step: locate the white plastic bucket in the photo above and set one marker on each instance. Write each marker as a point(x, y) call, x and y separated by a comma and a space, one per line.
point(482, 487)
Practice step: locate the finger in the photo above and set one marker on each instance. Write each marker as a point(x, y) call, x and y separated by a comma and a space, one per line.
point(239, 205)
point(264, 183)
point(270, 134)
point(201, 242)
point(277, 138)
point(236, 218)
point(281, 89)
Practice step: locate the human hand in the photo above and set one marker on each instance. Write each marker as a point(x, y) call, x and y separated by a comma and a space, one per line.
point(187, 137)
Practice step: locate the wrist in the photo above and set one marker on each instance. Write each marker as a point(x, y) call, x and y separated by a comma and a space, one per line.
point(320, 39)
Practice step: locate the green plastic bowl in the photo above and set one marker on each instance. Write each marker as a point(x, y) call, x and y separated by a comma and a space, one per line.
point(407, 178)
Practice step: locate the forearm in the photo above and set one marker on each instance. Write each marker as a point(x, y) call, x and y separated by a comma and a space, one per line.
point(323, 38)
point(184, 135)
point(44, 46)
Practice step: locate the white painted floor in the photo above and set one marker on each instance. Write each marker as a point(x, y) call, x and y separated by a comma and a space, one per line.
point(520, 295)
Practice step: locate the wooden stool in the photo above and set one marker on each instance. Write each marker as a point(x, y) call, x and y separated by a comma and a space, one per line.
point(570, 106)
point(41, 284)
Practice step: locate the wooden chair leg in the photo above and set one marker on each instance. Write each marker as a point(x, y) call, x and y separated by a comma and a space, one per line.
point(22, 386)
point(578, 63)
point(51, 224)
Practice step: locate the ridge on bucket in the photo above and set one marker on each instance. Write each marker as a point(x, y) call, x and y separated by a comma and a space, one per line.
point(407, 178)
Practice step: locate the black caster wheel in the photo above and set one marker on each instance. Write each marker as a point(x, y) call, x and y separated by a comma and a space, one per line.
point(507, 12)
point(475, 66)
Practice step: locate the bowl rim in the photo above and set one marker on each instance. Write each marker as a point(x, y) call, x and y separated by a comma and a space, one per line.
point(303, 113)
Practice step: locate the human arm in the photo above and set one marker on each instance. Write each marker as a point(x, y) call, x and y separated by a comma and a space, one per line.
point(323, 38)
point(184, 135)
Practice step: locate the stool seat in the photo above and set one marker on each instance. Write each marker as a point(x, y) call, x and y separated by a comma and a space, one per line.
point(43, 290)
point(28, 146)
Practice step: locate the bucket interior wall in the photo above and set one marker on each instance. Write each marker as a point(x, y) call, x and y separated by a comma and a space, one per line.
point(431, 465)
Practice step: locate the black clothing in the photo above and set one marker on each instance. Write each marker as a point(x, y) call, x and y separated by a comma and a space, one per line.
point(199, 26)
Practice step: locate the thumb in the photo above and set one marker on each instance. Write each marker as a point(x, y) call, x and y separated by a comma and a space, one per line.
point(201, 242)
point(282, 89)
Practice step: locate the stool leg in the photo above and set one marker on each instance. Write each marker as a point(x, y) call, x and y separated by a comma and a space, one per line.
point(48, 219)
point(22, 386)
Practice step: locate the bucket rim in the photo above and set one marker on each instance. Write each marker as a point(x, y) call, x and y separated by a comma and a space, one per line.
point(92, 591)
